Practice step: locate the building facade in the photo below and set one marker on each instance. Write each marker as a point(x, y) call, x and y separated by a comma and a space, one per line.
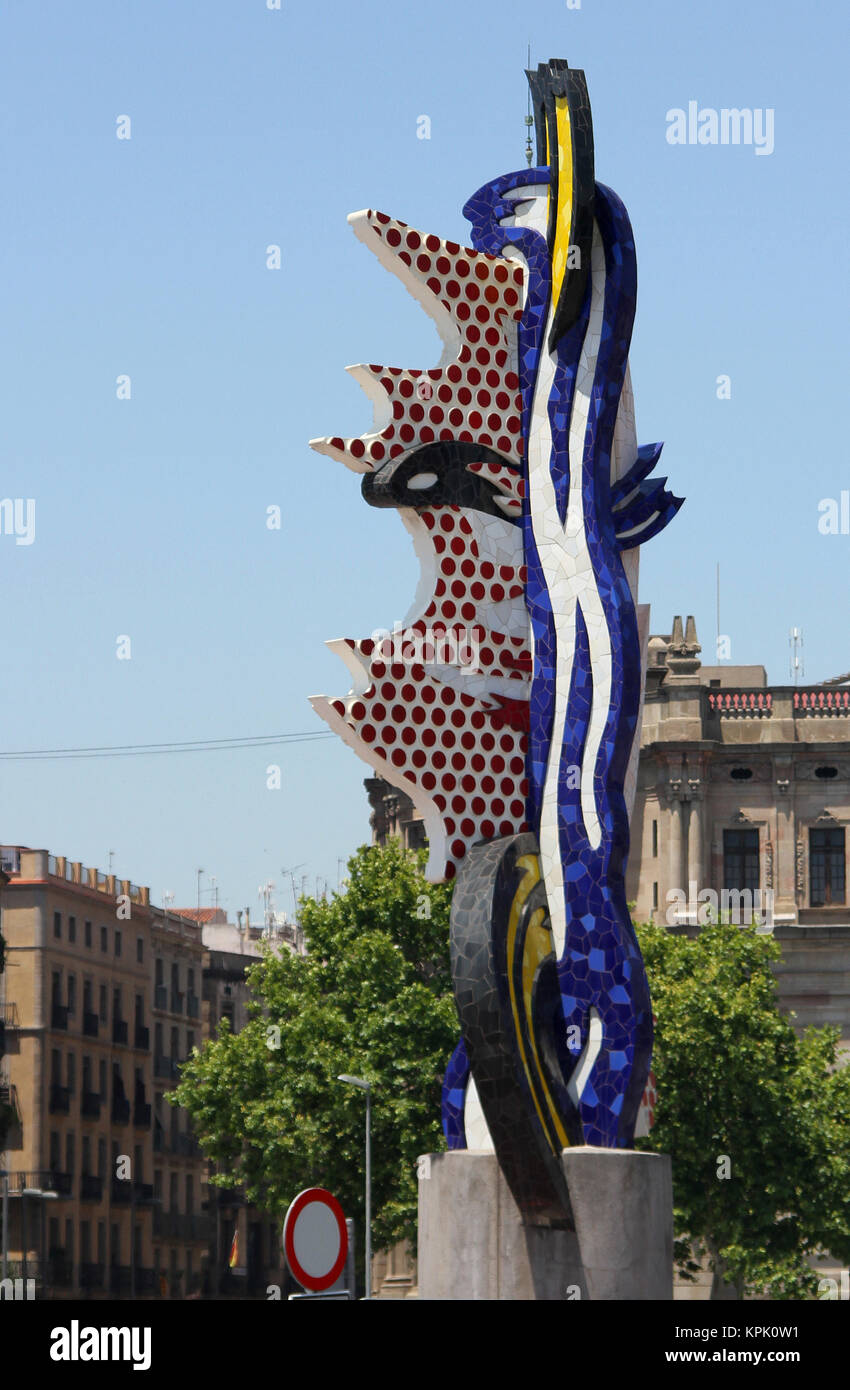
point(78, 1156)
point(743, 804)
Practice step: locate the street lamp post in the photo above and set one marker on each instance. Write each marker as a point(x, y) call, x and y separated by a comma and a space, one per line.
point(365, 1086)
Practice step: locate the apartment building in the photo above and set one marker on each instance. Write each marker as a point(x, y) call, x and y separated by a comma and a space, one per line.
point(229, 950)
point(102, 1203)
point(181, 1222)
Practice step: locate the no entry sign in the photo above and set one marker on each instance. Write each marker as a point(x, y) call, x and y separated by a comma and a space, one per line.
point(315, 1239)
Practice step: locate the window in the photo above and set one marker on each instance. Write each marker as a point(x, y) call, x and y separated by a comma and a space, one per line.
point(56, 989)
point(826, 867)
point(655, 895)
point(140, 949)
point(101, 1159)
point(54, 1151)
point(104, 1013)
point(56, 1067)
point(72, 928)
point(69, 1153)
point(159, 970)
point(86, 1074)
point(655, 839)
point(741, 774)
point(69, 1238)
point(85, 1157)
point(102, 1078)
point(87, 1008)
point(117, 942)
point(741, 860)
point(117, 1015)
point(72, 994)
point(140, 1010)
point(87, 933)
point(57, 925)
point(104, 940)
point(101, 1242)
point(115, 1244)
point(85, 1242)
point(72, 1072)
point(826, 773)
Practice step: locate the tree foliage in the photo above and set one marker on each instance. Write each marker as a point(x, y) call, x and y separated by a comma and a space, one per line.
point(735, 1081)
point(371, 998)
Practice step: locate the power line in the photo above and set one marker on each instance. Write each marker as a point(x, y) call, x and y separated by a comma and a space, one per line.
point(137, 750)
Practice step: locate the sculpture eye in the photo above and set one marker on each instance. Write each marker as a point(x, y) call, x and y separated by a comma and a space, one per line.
point(420, 481)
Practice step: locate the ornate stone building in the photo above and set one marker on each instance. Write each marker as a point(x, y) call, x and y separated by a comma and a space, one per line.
point(744, 790)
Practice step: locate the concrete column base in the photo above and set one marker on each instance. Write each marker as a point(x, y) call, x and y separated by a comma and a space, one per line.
point(473, 1244)
point(623, 1207)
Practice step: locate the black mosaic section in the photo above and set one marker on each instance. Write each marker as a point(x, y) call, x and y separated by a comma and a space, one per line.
point(483, 962)
point(557, 79)
point(455, 485)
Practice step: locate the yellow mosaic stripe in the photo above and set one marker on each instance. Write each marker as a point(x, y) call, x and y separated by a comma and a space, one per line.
point(538, 945)
point(564, 219)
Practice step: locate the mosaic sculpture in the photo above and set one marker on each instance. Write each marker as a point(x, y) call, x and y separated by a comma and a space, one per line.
point(507, 704)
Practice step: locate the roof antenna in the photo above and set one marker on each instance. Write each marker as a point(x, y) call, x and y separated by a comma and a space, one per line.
point(529, 121)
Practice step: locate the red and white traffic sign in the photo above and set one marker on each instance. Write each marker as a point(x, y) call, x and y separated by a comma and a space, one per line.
point(315, 1239)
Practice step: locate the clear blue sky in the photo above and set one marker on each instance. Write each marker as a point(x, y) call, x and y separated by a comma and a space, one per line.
point(146, 256)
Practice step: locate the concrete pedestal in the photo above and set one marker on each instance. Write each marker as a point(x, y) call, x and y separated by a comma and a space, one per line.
point(623, 1208)
point(473, 1244)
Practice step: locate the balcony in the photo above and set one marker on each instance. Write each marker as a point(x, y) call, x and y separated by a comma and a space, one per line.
point(9, 1017)
point(60, 1183)
point(186, 1145)
point(120, 1110)
point(176, 1002)
point(91, 1276)
point(59, 1018)
point(60, 1100)
point(60, 1270)
point(143, 1193)
point(200, 1228)
point(142, 1038)
point(141, 1115)
point(91, 1024)
point(121, 1191)
point(193, 1006)
point(90, 1105)
point(120, 1279)
point(120, 1031)
point(146, 1280)
point(91, 1188)
point(160, 997)
point(9, 1101)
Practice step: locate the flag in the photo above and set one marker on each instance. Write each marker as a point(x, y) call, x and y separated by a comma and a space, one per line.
point(234, 1249)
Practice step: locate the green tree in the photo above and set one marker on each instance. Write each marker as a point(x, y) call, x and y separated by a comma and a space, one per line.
point(736, 1083)
point(372, 997)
